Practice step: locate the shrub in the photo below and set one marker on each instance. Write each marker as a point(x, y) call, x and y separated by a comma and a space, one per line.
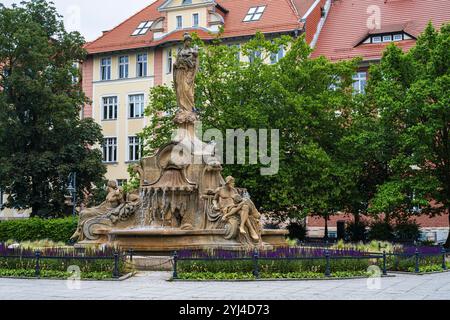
point(297, 231)
point(407, 231)
point(58, 230)
point(356, 231)
point(381, 231)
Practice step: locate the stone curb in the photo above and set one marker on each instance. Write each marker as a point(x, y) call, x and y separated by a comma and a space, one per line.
point(123, 278)
point(419, 274)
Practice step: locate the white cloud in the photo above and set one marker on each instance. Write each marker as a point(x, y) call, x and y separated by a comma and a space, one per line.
point(91, 17)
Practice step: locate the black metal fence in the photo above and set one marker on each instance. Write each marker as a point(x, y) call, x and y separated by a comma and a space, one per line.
point(39, 256)
point(328, 257)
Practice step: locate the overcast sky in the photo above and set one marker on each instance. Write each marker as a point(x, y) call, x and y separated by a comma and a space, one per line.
point(91, 17)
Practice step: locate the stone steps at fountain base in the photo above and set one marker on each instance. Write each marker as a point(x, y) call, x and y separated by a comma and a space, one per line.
point(151, 263)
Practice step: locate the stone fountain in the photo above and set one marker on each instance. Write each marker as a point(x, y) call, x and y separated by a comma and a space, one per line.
point(183, 201)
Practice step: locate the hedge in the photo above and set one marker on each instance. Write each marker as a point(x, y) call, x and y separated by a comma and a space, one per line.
point(35, 229)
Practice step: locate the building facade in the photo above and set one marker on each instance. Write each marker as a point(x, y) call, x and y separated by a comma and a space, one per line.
point(125, 62)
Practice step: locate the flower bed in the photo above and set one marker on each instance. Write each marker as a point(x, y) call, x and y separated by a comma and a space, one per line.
point(55, 263)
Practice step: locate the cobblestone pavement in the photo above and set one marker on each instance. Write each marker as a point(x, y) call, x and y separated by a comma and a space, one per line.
point(154, 286)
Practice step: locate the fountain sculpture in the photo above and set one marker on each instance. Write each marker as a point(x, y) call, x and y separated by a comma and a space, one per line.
point(183, 201)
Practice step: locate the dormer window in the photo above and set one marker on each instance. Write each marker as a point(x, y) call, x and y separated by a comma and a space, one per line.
point(186, 2)
point(254, 13)
point(398, 37)
point(387, 37)
point(142, 28)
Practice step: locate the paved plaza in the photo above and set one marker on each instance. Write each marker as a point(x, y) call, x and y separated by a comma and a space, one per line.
point(154, 286)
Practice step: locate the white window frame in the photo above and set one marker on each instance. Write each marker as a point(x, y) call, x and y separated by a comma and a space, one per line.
point(169, 61)
point(105, 68)
point(387, 38)
point(195, 16)
point(397, 35)
point(143, 28)
point(144, 65)
point(134, 150)
point(110, 142)
point(254, 13)
point(138, 105)
point(124, 67)
point(377, 41)
point(253, 55)
point(110, 104)
point(360, 78)
point(179, 22)
point(276, 57)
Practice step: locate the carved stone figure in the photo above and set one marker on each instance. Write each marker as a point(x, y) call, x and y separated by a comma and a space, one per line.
point(249, 216)
point(116, 208)
point(185, 70)
point(224, 196)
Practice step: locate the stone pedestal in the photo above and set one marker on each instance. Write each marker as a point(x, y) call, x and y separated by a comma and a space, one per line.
point(170, 240)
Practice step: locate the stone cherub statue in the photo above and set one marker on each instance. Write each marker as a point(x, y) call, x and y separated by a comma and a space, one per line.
point(185, 71)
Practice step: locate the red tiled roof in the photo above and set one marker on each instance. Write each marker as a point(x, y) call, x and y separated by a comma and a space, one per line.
point(346, 25)
point(279, 16)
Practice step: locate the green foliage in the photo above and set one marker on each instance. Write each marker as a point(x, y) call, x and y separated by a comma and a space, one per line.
point(52, 274)
point(409, 94)
point(274, 266)
point(58, 230)
point(356, 231)
point(267, 276)
point(407, 231)
point(297, 231)
point(42, 138)
point(381, 231)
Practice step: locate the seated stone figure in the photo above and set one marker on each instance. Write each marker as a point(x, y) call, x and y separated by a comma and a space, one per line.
point(248, 214)
point(113, 200)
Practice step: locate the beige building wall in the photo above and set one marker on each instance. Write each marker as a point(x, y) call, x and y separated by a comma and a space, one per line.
point(187, 15)
point(123, 127)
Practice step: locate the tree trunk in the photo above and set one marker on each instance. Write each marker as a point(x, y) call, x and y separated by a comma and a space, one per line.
point(326, 229)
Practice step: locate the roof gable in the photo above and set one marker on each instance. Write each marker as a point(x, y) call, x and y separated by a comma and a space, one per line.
point(350, 21)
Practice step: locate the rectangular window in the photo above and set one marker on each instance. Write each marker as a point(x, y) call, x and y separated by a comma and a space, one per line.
point(376, 39)
point(110, 150)
point(179, 22)
point(105, 69)
point(195, 20)
point(141, 65)
point(169, 61)
point(123, 67)
point(134, 149)
point(255, 55)
point(254, 13)
point(136, 106)
point(109, 106)
point(387, 38)
point(398, 37)
point(360, 82)
point(275, 57)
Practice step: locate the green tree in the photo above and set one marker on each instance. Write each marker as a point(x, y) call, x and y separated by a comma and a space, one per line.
point(293, 96)
point(42, 138)
point(411, 94)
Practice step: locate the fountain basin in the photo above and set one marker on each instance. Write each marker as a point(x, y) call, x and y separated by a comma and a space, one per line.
point(167, 241)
